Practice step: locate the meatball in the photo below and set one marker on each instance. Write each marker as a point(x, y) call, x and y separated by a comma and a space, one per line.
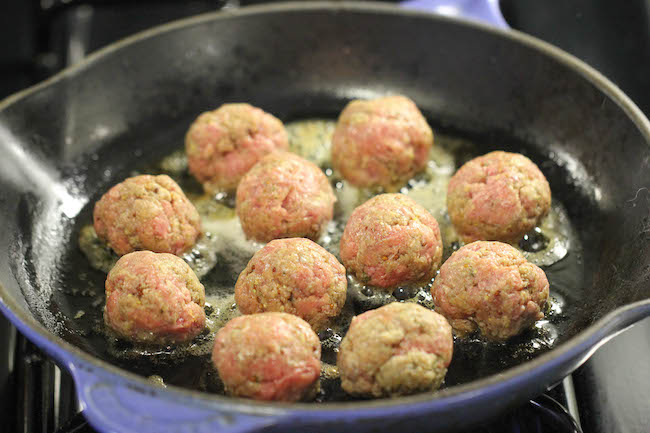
point(222, 145)
point(268, 356)
point(381, 143)
point(154, 298)
point(397, 349)
point(390, 240)
point(295, 276)
point(147, 213)
point(497, 197)
point(490, 286)
point(284, 196)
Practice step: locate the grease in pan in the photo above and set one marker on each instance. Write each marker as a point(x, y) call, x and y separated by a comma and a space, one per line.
point(231, 250)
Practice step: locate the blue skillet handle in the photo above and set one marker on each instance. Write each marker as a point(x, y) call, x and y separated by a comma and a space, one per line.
point(484, 11)
point(114, 404)
point(111, 405)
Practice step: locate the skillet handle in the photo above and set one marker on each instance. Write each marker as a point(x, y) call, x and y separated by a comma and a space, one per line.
point(111, 404)
point(484, 11)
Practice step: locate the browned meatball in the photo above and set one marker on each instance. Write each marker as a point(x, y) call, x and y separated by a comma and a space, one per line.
point(381, 143)
point(396, 349)
point(391, 240)
point(491, 287)
point(284, 196)
point(294, 276)
point(268, 356)
point(497, 197)
point(154, 298)
point(222, 145)
point(147, 213)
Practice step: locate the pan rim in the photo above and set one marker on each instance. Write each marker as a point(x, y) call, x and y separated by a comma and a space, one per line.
point(589, 73)
point(583, 344)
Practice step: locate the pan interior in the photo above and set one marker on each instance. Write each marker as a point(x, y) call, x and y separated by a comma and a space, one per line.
point(77, 298)
point(69, 142)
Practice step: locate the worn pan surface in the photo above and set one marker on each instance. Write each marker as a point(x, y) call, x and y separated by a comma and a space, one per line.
point(64, 142)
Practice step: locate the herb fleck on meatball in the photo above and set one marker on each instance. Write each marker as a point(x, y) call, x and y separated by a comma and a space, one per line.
point(497, 197)
point(390, 240)
point(147, 213)
point(222, 145)
point(268, 356)
point(284, 196)
point(381, 142)
point(491, 287)
point(154, 298)
point(397, 349)
point(295, 276)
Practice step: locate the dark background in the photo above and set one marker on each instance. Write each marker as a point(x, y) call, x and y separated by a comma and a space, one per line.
point(612, 36)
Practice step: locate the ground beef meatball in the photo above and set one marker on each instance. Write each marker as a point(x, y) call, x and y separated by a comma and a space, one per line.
point(154, 298)
point(294, 276)
point(222, 145)
point(390, 240)
point(147, 213)
point(284, 196)
point(499, 196)
point(490, 286)
point(398, 349)
point(381, 143)
point(268, 356)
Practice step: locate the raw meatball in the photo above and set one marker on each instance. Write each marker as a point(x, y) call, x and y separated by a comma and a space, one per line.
point(395, 350)
point(154, 298)
point(284, 196)
point(147, 213)
point(381, 143)
point(490, 286)
point(390, 240)
point(499, 196)
point(222, 145)
point(268, 356)
point(294, 276)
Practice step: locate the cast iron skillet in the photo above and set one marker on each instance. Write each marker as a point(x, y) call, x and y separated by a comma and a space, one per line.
point(65, 141)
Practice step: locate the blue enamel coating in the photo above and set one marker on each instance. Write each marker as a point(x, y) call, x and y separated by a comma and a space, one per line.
point(483, 11)
point(117, 404)
point(113, 404)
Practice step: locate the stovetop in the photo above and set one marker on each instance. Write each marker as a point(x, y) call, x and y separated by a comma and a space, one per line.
point(610, 393)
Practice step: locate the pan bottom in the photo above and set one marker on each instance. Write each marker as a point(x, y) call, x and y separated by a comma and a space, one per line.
point(222, 254)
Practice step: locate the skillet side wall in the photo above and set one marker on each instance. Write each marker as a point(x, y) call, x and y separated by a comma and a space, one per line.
point(68, 142)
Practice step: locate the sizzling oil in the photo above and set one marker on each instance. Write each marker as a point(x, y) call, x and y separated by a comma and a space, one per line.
point(223, 252)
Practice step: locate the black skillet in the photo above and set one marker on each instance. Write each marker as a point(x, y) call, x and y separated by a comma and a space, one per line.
point(64, 142)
